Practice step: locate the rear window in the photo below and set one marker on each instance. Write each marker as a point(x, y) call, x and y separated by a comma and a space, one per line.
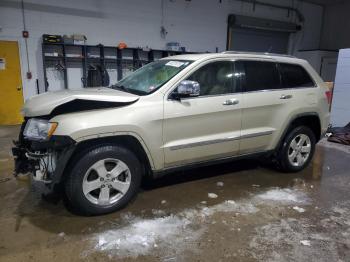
point(261, 76)
point(294, 76)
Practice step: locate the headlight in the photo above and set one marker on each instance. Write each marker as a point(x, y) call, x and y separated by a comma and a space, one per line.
point(39, 129)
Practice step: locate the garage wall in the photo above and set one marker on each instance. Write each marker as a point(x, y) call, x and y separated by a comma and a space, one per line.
point(199, 25)
point(336, 24)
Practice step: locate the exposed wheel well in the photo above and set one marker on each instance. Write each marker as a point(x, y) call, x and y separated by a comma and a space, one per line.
point(311, 121)
point(126, 141)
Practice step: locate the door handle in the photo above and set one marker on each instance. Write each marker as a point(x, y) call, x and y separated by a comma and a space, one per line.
point(231, 102)
point(19, 88)
point(286, 96)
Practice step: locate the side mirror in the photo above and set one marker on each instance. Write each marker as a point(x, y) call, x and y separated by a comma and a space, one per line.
point(187, 88)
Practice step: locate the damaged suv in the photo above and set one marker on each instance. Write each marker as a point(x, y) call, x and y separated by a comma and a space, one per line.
point(175, 113)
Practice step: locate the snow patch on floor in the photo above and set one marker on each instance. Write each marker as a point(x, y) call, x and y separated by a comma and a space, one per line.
point(169, 234)
point(230, 206)
point(299, 209)
point(143, 235)
point(212, 195)
point(285, 195)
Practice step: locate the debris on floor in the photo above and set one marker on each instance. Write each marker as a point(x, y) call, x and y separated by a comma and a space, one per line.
point(305, 242)
point(299, 209)
point(212, 195)
point(220, 183)
point(340, 135)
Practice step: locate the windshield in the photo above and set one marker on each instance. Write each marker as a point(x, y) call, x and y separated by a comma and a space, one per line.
point(150, 77)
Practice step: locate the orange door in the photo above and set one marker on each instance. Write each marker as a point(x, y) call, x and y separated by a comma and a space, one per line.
point(11, 97)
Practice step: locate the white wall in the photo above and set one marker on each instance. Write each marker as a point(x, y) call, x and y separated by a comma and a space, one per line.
point(199, 25)
point(335, 33)
point(340, 115)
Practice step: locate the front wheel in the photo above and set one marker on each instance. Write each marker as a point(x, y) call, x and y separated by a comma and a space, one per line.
point(297, 149)
point(103, 179)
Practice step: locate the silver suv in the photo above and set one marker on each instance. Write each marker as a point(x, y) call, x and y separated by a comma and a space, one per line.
point(178, 112)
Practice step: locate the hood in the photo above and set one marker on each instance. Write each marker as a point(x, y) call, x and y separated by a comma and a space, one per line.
point(46, 103)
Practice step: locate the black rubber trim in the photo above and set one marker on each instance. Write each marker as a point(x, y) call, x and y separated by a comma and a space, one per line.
point(63, 160)
point(55, 142)
point(160, 173)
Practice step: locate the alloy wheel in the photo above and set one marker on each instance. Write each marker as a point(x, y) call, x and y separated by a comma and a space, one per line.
point(299, 150)
point(106, 181)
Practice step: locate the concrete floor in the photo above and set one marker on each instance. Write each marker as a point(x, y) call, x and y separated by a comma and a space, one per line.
point(258, 215)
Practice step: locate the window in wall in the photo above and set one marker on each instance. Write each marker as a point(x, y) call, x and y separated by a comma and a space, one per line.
point(295, 76)
point(215, 78)
point(260, 75)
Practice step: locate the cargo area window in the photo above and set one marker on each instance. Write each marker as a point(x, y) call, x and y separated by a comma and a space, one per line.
point(294, 76)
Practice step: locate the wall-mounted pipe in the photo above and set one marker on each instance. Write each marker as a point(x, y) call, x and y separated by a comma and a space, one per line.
point(25, 40)
point(287, 8)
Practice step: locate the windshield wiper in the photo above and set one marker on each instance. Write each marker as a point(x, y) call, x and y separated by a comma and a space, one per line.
point(120, 87)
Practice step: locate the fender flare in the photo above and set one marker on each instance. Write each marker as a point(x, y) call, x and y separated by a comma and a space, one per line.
point(116, 134)
point(69, 151)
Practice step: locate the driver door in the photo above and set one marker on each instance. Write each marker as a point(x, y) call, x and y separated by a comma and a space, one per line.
point(206, 127)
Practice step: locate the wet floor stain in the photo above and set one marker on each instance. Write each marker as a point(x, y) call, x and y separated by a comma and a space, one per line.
point(240, 211)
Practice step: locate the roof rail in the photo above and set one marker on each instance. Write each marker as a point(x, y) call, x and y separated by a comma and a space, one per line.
point(257, 53)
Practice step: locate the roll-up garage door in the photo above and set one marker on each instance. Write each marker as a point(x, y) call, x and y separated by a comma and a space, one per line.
point(251, 40)
point(253, 34)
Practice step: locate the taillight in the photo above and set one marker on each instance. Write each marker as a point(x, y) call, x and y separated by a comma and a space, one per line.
point(329, 96)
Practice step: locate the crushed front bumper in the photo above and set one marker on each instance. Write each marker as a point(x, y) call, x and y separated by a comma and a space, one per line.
point(44, 160)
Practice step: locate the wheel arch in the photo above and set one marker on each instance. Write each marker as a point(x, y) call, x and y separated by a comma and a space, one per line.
point(126, 140)
point(310, 120)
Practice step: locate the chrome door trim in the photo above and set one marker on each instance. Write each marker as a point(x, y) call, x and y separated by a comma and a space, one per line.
point(231, 102)
point(220, 140)
point(264, 133)
point(204, 143)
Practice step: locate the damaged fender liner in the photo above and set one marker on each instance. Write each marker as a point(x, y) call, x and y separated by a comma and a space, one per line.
point(78, 105)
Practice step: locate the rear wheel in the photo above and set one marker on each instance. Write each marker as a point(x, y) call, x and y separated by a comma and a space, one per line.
point(297, 149)
point(103, 180)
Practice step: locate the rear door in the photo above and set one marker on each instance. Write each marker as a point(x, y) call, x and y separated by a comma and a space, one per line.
point(273, 93)
point(205, 127)
point(264, 104)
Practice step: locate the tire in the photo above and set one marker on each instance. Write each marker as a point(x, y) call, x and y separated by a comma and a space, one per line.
point(102, 179)
point(297, 150)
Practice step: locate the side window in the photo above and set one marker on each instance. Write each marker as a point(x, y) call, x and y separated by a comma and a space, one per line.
point(260, 75)
point(295, 76)
point(215, 78)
